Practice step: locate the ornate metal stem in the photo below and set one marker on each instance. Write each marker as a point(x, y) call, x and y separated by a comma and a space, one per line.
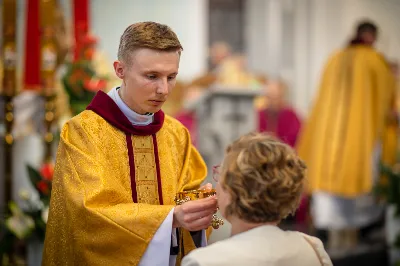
point(8, 143)
point(48, 66)
point(49, 107)
point(9, 55)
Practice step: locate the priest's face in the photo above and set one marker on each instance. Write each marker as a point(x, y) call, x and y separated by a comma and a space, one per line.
point(148, 77)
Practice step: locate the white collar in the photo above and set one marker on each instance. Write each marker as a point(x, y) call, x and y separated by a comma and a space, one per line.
point(133, 117)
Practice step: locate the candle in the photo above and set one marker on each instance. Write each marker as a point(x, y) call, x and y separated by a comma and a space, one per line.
point(48, 46)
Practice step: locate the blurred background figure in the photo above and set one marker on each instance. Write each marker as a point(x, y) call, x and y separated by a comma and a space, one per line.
point(344, 138)
point(219, 52)
point(233, 72)
point(279, 118)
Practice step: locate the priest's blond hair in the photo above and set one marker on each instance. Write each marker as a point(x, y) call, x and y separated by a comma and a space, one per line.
point(147, 35)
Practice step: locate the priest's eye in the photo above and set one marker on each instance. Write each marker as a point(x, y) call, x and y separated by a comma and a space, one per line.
point(152, 77)
point(171, 78)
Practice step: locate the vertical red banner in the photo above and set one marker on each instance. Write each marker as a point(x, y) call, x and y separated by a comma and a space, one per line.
point(32, 47)
point(81, 20)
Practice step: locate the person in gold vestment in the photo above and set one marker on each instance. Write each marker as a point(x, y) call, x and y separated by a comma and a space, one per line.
point(120, 164)
point(346, 137)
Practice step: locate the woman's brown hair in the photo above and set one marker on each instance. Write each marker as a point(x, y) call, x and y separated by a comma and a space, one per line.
point(264, 177)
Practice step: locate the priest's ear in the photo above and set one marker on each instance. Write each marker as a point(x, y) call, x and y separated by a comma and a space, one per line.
point(119, 69)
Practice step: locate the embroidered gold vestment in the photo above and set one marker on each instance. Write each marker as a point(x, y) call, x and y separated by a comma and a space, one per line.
point(115, 184)
point(348, 122)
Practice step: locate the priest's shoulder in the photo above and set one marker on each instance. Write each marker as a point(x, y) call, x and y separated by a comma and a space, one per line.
point(333, 57)
point(370, 53)
point(373, 58)
point(84, 121)
point(175, 127)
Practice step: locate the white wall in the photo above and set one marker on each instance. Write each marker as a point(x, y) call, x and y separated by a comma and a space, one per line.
point(256, 35)
point(189, 19)
point(320, 27)
point(334, 23)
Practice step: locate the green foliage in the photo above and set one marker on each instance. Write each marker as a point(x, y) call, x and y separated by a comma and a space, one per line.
point(34, 175)
point(75, 84)
point(390, 191)
point(85, 72)
point(7, 240)
point(22, 224)
point(36, 178)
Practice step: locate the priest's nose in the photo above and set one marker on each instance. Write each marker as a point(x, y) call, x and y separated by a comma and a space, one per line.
point(162, 87)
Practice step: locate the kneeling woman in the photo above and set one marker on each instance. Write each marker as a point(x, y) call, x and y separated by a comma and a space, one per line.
point(259, 183)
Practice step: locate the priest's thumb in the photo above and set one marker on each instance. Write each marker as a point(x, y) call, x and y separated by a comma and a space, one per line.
point(207, 186)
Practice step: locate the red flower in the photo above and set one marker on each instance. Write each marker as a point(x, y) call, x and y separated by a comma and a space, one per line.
point(47, 171)
point(43, 187)
point(95, 85)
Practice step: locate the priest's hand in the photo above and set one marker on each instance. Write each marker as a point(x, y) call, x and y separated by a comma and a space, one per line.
point(207, 186)
point(195, 215)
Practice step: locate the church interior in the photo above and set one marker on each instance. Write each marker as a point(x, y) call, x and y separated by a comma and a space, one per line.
point(239, 58)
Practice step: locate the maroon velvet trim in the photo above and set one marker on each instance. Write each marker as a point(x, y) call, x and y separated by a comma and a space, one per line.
point(155, 146)
point(131, 166)
point(104, 106)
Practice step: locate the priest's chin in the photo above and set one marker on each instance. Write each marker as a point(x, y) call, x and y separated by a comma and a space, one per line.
point(154, 106)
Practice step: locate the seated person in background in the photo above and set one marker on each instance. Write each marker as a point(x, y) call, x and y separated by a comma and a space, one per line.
point(278, 117)
point(280, 120)
point(188, 116)
point(260, 183)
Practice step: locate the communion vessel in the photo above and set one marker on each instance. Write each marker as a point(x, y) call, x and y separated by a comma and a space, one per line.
point(185, 196)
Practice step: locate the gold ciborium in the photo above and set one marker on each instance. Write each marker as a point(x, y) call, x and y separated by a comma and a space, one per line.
point(182, 197)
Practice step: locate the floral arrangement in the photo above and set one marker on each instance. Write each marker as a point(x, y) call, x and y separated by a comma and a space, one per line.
point(81, 82)
point(28, 220)
point(389, 191)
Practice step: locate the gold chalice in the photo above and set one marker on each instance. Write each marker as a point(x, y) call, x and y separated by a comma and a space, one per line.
point(182, 197)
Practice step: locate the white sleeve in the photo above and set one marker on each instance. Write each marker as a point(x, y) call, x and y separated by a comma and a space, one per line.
point(158, 250)
point(203, 238)
point(174, 243)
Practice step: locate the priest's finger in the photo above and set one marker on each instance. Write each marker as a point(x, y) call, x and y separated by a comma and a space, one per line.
point(200, 205)
point(202, 223)
point(190, 217)
point(207, 186)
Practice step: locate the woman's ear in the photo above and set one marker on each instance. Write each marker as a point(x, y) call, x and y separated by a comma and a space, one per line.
point(119, 69)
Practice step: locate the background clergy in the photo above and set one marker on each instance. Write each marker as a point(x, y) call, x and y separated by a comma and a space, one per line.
point(351, 129)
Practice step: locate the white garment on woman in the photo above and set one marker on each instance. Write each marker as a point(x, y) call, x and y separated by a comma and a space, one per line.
point(262, 246)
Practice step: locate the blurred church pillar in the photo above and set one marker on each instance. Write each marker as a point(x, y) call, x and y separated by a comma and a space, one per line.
point(270, 38)
point(273, 25)
point(302, 52)
point(256, 35)
point(291, 39)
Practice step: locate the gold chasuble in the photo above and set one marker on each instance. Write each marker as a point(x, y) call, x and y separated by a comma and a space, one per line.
point(348, 122)
point(115, 184)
